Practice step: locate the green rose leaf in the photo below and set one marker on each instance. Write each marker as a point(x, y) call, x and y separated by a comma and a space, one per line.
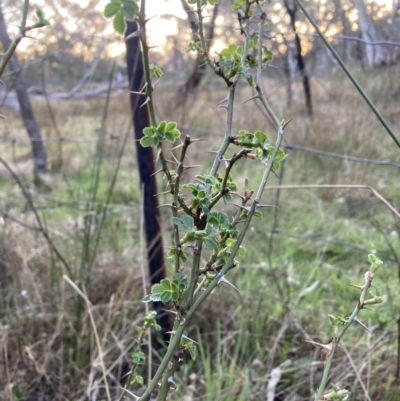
point(111, 9)
point(119, 23)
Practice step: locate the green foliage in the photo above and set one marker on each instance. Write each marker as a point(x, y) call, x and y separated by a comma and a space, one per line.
point(168, 290)
point(42, 20)
point(153, 136)
point(122, 11)
point(189, 346)
point(193, 46)
point(157, 71)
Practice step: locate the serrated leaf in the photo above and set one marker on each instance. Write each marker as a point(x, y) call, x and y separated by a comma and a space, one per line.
point(257, 213)
point(157, 288)
point(146, 141)
point(186, 222)
point(171, 126)
point(154, 141)
point(158, 72)
point(261, 137)
point(138, 357)
point(166, 297)
point(149, 131)
point(111, 9)
point(161, 126)
point(147, 298)
point(211, 244)
point(276, 166)
point(129, 10)
point(39, 14)
point(119, 23)
point(170, 137)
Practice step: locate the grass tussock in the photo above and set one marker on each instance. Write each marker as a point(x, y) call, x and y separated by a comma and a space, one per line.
point(300, 257)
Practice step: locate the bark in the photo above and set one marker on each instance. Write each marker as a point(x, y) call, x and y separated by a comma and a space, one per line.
point(38, 150)
point(374, 54)
point(291, 9)
point(146, 166)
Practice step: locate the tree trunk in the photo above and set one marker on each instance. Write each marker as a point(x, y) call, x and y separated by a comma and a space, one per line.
point(145, 158)
point(374, 54)
point(38, 150)
point(291, 10)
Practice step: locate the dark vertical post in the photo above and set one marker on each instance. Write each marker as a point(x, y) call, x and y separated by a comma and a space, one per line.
point(145, 159)
point(291, 10)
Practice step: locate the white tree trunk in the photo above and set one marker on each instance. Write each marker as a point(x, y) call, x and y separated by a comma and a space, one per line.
point(374, 53)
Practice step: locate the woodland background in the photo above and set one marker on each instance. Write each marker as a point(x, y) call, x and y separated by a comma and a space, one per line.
point(305, 250)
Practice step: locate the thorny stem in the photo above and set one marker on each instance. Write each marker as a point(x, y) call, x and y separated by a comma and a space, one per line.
point(166, 384)
point(223, 192)
point(175, 191)
point(146, 64)
point(194, 274)
point(336, 340)
point(231, 97)
point(260, 36)
point(228, 129)
point(180, 327)
point(175, 340)
point(242, 233)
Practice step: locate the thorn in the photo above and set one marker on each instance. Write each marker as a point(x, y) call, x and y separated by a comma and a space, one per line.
point(219, 104)
point(178, 146)
point(144, 103)
point(356, 286)
point(165, 204)
point(222, 279)
point(252, 98)
point(198, 140)
point(326, 348)
point(176, 161)
point(189, 339)
point(137, 93)
point(158, 155)
point(162, 193)
point(173, 312)
point(246, 208)
point(148, 19)
point(171, 380)
point(284, 124)
point(266, 206)
point(240, 196)
point(135, 34)
point(189, 167)
point(362, 325)
point(158, 171)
